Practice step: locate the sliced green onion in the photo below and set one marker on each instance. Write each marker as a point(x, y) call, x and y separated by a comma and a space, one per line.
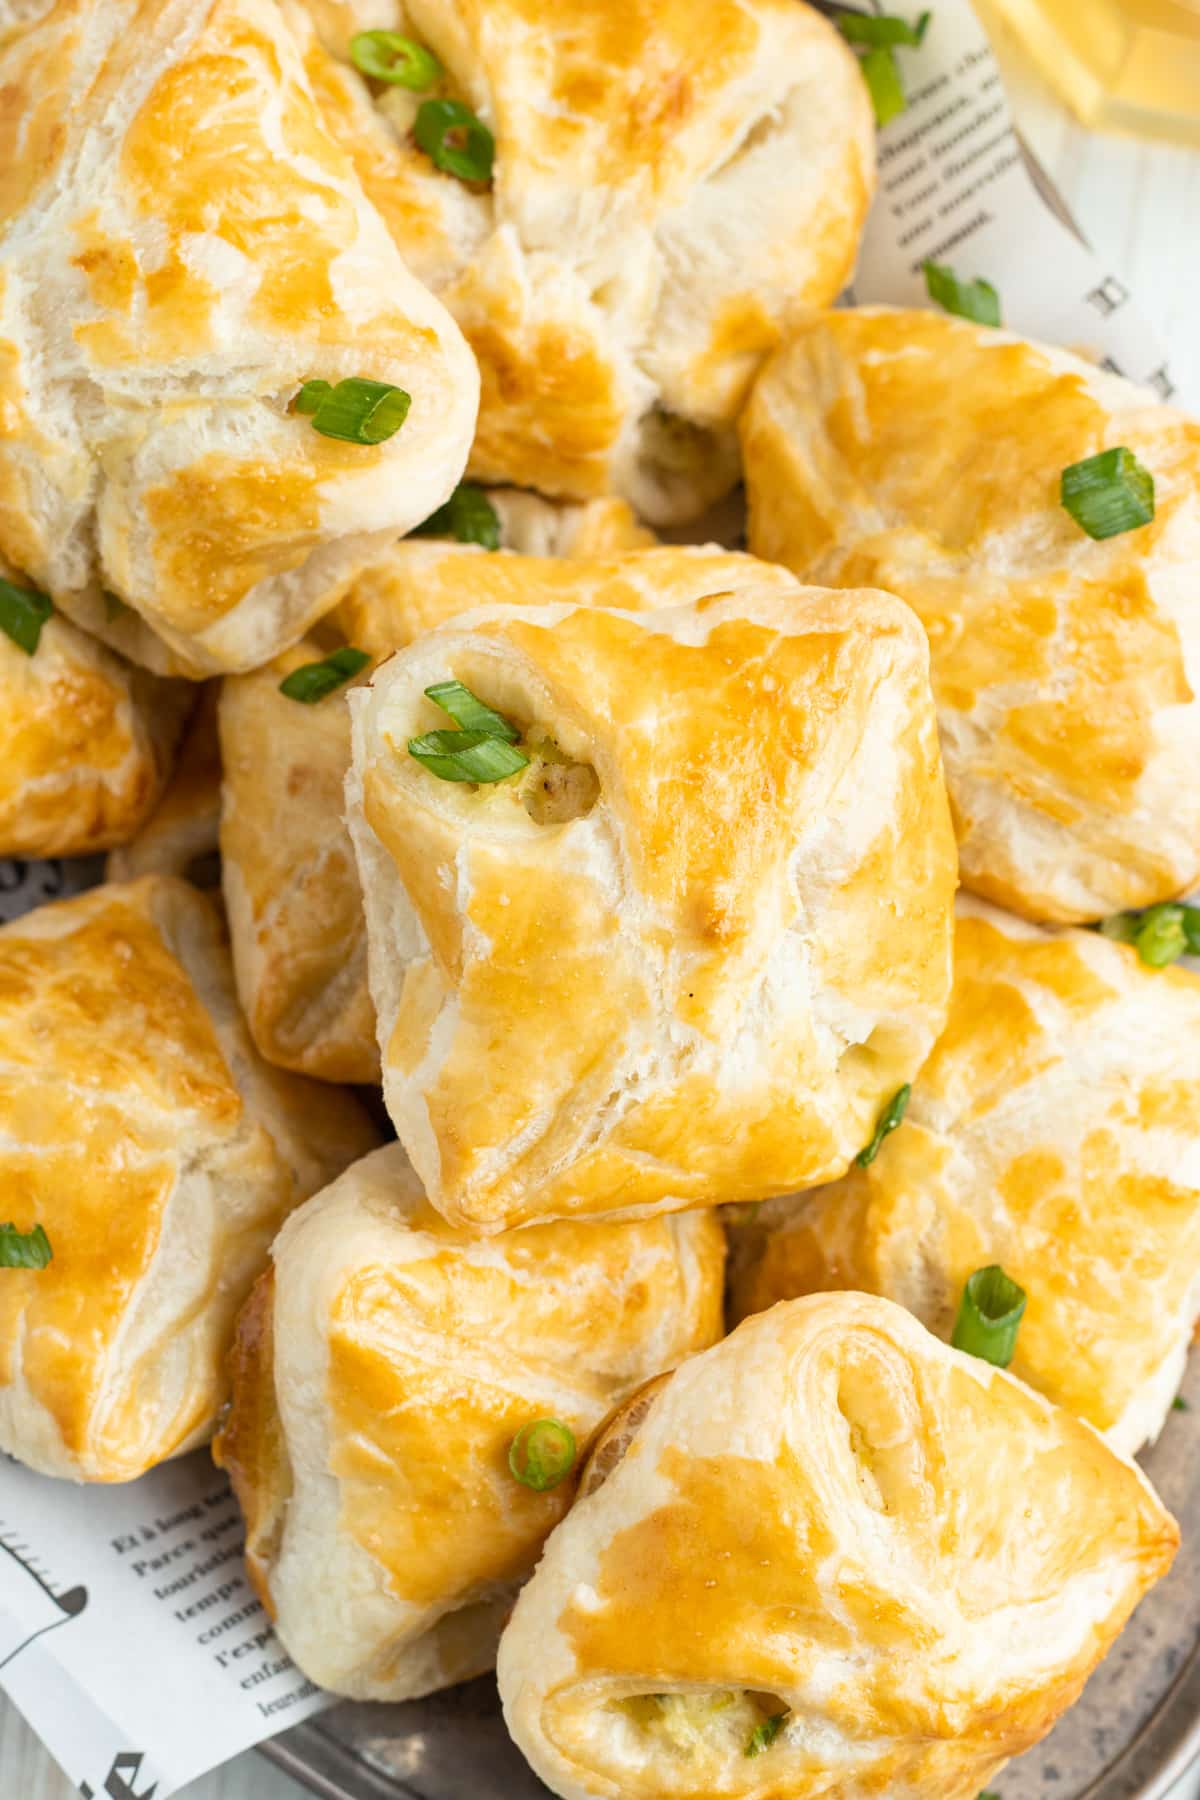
point(860, 28)
point(1161, 938)
point(1109, 493)
point(467, 755)
point(977, 300)
point(24, 1249)
point(458, 142)
point(988, 1316)
point(889, 1118)
point(23, 612)
point(312, 681)
point(764, 1735)
point(542, 1453)
point(311, 396)
point(1161, 934)
point(387, 56)
point(468, 515)
point(357, 411)
point(469, 712)
point(883, 79)
point(1179, 1404)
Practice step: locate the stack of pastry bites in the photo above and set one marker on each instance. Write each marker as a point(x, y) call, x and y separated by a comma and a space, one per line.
point(625, 870)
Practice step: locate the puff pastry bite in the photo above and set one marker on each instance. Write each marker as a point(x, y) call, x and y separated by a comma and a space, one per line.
point(688, 953)
point(182, 245)
point(159, 1155)
point(291, 886)
point(802, 1577)
point(1052, 1131)
point(180, 836)
point(923, 453)
point(86, 742)
point(672, 184)
point(381, 1372)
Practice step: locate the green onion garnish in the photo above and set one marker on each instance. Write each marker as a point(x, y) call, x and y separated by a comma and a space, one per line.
point(312, 681)
point(1109, 493)
point(387, 56)
point(860, 28)
point(470, 712)
point(468, 515)
point(1179, 1404)
point(311, 395)
point(23, 612)
point(542, 1453)
point(1161, 934)
point(988, 1316)
point(764, 1735)
point(455, 139)
point(883, 79)
point(482, 751)
point(977, 300)
point(889, 1118)
point(467, 755)
point(24, 1249)
point(357, 411)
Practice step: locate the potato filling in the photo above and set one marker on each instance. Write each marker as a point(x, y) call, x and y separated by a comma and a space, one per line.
point(722, 1722)
point(553, 788)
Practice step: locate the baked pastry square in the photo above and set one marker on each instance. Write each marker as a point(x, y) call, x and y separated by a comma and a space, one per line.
point(1052, 1131)
point(924, 454)
point(382, 1370)
point(159, 1155)
point(86, 741)
point(828, 1557)
point(695, 945)
point(182, 246)
point(291, 886)
point(672, 184)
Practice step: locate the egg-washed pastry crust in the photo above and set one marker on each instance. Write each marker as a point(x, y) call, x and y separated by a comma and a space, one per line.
point(675, 180)
point(291, 885)
point(1052, 1131)
point(182, 245)
point(159, 1155)
point(923, 454)
point(895, 1564)
point(383, 1368)
point(708, 984)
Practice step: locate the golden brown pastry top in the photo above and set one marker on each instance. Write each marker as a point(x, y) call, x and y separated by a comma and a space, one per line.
point(420, 584)
point(85, 743)
point(696, 987)
point(1052, 1130)
point(291, 888)
point(183, 240)
point(381, 1374)
point(673, 181)
point(809, 1521)
point(923, 454)
point(128, 1092)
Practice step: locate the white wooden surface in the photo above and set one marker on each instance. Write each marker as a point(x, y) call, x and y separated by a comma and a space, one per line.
point(1140, 204)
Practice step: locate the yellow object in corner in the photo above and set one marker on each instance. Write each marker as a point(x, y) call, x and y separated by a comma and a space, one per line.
point(1127, 65)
